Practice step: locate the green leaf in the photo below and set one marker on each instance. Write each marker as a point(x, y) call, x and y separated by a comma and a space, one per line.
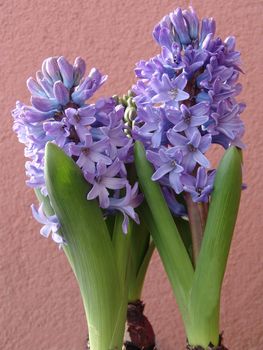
point(212, 260)
point(90, 250)
point(164, 232)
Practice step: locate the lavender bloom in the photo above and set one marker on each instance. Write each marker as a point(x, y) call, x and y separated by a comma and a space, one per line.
point(208, 27)
point(89, 153)
point(50, 224)
point(180, 26)
point(127, 204)
point(167, 162)
point(93, 134)
point(163, 34)
point(106, 178)
point(193, 146)
point(169, 91)
point(155, 124)
point(87, 88)
point(188, 117)
point(201, 186)
point(35, 173)
point(226, 121)
point(58, 131)
point(186, 100)
point(81, 119)
point(145, 69)
point(171, 60)
point(192, 21)
point(193, 60)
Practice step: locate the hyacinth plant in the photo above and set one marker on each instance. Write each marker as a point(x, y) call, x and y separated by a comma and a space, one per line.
point(85, 159)
point(186, 102)
point(79, 157)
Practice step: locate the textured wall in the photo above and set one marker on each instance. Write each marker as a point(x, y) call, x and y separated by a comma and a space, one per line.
point(40, 307)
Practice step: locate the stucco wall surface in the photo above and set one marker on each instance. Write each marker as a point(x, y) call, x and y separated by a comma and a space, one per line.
point(40, 306)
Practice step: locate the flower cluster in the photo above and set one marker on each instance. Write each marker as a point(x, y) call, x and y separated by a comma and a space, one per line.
point(91, 133)
point(186, 101)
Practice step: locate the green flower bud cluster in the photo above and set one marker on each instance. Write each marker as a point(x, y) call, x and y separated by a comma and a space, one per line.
point(130, 113)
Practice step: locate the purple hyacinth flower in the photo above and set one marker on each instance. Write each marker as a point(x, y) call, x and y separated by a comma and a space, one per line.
point(180, 26)
point(208, 27)
point(127, 205)
point(35, 172)
point(146, 69)
point(106, 179)
point(79, 69)
point(201, 186)
point(51, 70)
point(192, 22)
point(81, 116)
point(50, 224)
point(167, 162)
point(90, 153)
point(172, 58)
point(193, 60)
point(88, 87)
point(193, 145)
point(169, 91)
point(226, 121)
point(33, 115)
point(216, 73)
point(154, 127)
point(59, 131)
point(35, 88)
point(188, 117)
point(81, 119)
point(61, 93)
point(66, 71)
point(45, 104)
point(115, 132)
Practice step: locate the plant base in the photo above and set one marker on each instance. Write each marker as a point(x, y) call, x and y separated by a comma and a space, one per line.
point(220, 346)
point(139, 329)
point(130, 346)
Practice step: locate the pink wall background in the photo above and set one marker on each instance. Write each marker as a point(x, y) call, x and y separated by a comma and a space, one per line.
point(40, 306)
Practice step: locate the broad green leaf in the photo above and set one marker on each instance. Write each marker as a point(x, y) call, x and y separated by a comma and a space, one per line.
point(90, 250)
point(164, 232)
point(212, 260)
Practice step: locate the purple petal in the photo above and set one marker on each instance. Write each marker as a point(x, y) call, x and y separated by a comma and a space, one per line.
point(201, 159)
point(44, 104)
point(61, 93)
point(201, 177)
point(160, 172)
point(53, 69)
point(66, 70)
point(34, 88)
point(79, 68)
point(175, 182)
